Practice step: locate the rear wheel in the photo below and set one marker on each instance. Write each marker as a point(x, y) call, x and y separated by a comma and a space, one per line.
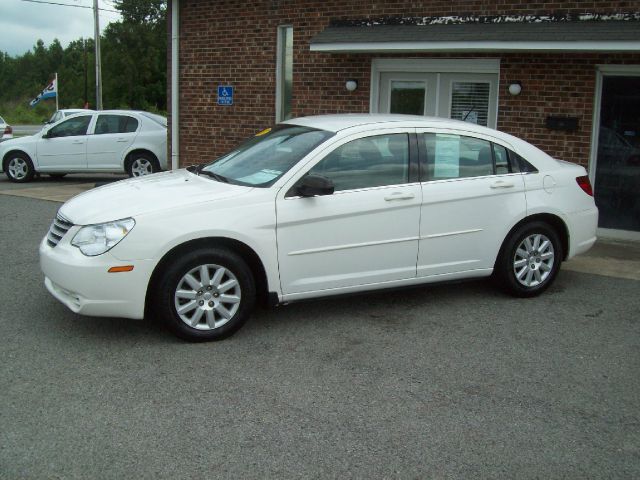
point(205, 295)
point(141, 164)
point(19, 168)
point(529, 260)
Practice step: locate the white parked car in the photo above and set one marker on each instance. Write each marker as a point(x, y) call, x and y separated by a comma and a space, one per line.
point(320, 206)
point(6, 132)
point(90, 142)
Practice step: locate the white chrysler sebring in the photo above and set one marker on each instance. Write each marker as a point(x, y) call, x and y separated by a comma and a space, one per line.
point(320, 206)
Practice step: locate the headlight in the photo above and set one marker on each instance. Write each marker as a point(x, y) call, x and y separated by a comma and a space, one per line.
point(95, 240)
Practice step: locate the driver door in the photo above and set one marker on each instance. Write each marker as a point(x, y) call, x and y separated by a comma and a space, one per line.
point(366, 232)
point(64, 146)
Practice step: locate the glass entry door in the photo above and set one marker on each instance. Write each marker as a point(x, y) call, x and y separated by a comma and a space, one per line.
point(617, 173)
point(461, 96)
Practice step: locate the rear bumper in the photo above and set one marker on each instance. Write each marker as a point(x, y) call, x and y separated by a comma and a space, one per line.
point(582, 231)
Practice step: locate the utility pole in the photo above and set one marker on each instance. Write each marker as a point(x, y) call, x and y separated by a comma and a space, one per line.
point(96, 21)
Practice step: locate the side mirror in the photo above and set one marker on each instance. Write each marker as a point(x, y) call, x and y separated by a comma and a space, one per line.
point(46, 134)
point(312, 185)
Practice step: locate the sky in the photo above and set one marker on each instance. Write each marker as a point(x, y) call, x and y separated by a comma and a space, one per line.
point(22, 23)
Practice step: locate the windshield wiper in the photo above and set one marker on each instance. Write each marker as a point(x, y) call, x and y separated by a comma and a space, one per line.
point(215, 176)
point(199, 170)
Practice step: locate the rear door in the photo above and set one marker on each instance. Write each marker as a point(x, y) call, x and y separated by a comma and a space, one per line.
point(471, 198)
point(112, 136)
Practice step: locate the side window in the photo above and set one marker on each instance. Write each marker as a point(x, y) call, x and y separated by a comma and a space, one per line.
point(72, 127)
point(367, 162)
point(523, 165)
point(455, 156)
point(502, 160)
point(115, 124)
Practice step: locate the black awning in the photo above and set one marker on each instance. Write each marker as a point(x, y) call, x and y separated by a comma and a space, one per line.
point(583, 36)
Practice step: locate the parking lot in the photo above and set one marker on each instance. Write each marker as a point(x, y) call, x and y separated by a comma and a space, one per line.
point(449, 381)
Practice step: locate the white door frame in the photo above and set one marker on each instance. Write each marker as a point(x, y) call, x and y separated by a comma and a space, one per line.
point(428, 65)
point(612, 71)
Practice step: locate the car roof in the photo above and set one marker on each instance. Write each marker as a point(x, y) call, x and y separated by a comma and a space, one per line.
point(75, 110)
point(338, 122)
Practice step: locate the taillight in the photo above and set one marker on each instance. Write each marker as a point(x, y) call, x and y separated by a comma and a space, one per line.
point(8, 130)
point(585, 184)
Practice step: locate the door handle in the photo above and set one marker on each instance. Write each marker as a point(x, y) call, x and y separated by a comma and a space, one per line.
point(399, 196)
point(502, 184)
point(121, 140)
point(78, 142)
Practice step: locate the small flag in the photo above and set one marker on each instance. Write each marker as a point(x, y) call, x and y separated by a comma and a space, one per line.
point(50, 91)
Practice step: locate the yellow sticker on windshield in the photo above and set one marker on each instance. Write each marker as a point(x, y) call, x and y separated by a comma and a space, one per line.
point(263, 132)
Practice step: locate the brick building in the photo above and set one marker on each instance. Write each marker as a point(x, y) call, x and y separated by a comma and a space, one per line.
point(564, 76)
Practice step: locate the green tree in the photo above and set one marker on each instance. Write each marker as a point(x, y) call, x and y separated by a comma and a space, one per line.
point(134, 63)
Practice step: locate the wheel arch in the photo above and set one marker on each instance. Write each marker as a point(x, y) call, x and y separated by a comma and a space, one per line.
point(246, 252)
point(554, 221)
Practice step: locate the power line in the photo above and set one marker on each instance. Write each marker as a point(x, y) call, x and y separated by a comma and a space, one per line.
point(69, 5)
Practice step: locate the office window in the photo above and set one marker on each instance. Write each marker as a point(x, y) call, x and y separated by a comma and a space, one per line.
point(284, 73)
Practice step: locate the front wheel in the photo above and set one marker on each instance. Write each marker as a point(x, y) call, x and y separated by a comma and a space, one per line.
point(205, 295)
point(529, 260)
point(142, 164)
point(19, 168)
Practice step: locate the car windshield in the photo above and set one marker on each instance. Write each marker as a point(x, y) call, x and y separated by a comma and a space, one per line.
point(260, 161)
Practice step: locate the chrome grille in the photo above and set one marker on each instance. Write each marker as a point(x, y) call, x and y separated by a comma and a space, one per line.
point(58, 228)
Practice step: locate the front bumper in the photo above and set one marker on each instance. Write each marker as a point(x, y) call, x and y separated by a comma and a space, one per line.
point(86, 287)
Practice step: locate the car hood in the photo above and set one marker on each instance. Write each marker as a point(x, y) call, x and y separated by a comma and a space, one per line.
point(138, 196)
point(18, 142)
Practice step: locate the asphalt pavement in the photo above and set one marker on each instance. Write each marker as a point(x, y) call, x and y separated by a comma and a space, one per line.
point(451, 381)
point(22, 130)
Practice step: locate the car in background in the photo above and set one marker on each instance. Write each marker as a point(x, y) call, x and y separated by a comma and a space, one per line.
point(108, 141)
point(64, 113)
point(6, 131)
point(315, 207)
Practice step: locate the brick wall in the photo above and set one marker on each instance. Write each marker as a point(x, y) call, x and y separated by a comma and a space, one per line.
point(230, 42)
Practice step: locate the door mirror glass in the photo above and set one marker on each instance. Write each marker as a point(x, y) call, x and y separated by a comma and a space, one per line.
point(312, 185)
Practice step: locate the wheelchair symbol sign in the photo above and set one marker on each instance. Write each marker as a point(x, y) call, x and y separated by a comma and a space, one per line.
point(225, 95)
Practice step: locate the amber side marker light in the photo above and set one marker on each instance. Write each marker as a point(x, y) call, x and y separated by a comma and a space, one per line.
point(124, 268)
point(585, 185)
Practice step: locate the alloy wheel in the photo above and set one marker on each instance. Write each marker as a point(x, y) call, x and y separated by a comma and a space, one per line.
point(18, 168)
point(207, 297)
point(140, 167)
point(534, 259)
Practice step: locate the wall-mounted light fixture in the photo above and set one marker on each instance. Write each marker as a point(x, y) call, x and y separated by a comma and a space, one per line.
point(351, 85)
point(515, 88)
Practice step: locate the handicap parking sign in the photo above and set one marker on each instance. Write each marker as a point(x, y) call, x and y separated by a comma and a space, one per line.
point(225, 95)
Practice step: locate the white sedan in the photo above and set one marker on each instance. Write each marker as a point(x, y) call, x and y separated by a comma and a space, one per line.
point(115, 141)
point(320, 206)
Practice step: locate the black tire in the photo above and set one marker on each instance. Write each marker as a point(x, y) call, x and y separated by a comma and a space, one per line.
point(18, 167)
point(140, 164)
point(529, 260)
point(56, 176)
point(208, 296)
